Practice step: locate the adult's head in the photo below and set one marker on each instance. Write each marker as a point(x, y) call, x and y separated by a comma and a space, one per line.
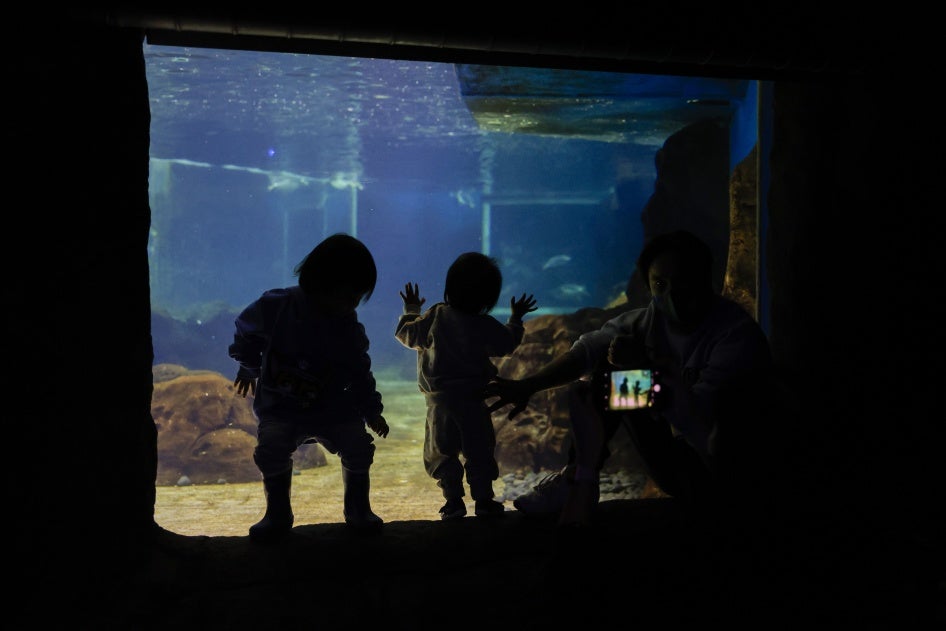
point(473, 283)
point(340, 269)
point(678, 267)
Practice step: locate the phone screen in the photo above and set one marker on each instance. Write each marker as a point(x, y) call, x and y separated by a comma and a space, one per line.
point(631, 389)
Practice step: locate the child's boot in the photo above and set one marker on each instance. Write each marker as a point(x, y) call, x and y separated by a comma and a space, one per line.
point(484, 504)
point(277, 522)
point(358, 512)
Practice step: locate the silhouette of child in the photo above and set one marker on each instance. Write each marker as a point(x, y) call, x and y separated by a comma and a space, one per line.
point(455, 340)
point(303, 354)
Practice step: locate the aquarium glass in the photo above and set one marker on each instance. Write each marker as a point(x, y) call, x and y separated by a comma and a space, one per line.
point(258, 156)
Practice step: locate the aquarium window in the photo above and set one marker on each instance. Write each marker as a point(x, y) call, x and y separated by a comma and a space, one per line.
point(258, 156)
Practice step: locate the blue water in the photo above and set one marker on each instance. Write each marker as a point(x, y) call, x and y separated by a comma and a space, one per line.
point(256, 157)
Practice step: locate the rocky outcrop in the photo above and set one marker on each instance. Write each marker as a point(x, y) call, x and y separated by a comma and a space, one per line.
point(741, 278)
point(206, 432)
point(537, 438)
point(691, 190)
point(689, 193)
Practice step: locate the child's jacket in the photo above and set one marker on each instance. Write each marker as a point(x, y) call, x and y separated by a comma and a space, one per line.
point(454, 348)
point(309, 365)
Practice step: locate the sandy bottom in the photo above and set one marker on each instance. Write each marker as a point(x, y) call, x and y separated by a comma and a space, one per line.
point(400, 488)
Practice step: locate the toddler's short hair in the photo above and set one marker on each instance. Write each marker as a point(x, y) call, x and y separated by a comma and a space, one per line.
point(473, 283)
point(339, 261)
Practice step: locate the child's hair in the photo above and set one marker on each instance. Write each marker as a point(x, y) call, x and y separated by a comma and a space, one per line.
point(339, 262)
point(473, 283)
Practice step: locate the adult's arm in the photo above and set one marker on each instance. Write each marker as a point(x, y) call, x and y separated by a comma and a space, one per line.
point(562, 370)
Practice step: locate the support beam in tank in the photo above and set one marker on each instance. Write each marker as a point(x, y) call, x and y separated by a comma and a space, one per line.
point(549, 199)
point(487, 217)
point(353, 213)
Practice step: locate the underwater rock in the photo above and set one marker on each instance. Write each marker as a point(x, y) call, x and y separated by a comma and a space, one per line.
point(692, 189)
point(741, 277)
point(537, 438)
point(206, 432)
point(166, 372)
point(197, 342)
point(690, 192)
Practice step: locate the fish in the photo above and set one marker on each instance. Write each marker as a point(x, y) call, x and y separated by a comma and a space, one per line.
point(286, 181)
point(465, 197)
point(571, 292)
point(345, 180)
point(557, 261)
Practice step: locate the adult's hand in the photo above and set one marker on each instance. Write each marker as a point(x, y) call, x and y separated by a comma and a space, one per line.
point(509, 392)
point(627, 351)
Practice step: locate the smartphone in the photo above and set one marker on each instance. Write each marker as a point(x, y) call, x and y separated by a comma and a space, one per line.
point(630, 389)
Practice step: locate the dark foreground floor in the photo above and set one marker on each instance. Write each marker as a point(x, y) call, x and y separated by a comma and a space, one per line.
point(634, 565)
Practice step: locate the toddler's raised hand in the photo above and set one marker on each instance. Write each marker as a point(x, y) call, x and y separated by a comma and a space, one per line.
point(411, 295)
point(522, 305)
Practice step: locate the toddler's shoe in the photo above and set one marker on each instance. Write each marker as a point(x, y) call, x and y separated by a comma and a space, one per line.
point(489, 508)
point(453, 509)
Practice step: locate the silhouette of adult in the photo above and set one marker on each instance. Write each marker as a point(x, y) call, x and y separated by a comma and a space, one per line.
point(702, 440)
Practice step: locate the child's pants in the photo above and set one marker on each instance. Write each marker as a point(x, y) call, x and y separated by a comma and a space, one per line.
point(278, 439)
point(460, 424)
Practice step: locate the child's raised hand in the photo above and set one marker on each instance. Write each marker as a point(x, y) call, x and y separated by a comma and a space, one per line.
point(522, 305)
point(244, 385)
point(411, 295)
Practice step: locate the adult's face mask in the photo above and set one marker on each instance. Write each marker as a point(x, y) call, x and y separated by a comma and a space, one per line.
point(664, 304)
